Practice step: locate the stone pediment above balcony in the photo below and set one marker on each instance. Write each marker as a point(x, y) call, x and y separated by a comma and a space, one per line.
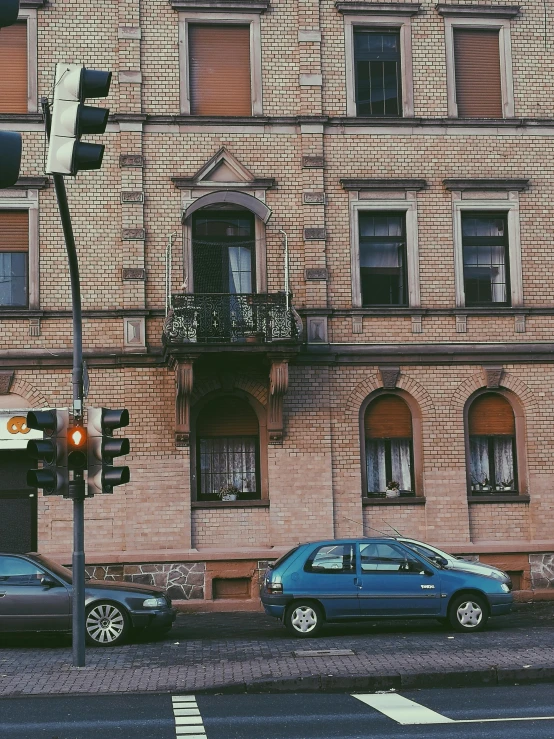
point(223, 171)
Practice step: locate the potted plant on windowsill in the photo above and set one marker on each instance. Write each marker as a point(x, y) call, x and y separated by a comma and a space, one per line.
point(393, 489)
point(508, 485)
point(228, 492)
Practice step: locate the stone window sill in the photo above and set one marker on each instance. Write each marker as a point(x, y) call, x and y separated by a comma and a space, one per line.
point(230, 504)
point(416, 500)
point(498, 498)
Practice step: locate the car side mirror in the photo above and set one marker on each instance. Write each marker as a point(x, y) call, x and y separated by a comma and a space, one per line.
point(48, 582)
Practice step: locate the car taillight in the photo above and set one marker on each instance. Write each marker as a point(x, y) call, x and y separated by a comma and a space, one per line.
point(274, 587)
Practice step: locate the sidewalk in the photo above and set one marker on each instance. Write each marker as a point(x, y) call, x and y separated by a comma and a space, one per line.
point(249, 652)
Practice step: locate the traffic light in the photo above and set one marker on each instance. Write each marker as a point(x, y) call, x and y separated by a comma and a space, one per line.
point(10, 142)
point(71, 119)
point(103, 448)
point(77, 448)
point(52, 477)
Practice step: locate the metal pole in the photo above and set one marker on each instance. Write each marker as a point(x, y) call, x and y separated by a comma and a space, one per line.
point(286, 248)
point(77, 485)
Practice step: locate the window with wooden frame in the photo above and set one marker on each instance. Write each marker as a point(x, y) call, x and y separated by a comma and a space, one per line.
point(383, 268)
point(479, 61)
point(486, 259)
point(389, 446)
point(478, 81)
point(378, 71)
point(14, 258)
point(14, 66)
point(219, 69)
point(227, 450)
point(492, 446)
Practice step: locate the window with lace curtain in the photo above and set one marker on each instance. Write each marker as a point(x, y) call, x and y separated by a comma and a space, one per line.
point(389, 445)
point(227, 449)
point(14, 258)
point(492, 446)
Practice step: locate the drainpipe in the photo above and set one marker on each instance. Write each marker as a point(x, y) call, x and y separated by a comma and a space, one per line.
point(168, 255)
point(286, 248)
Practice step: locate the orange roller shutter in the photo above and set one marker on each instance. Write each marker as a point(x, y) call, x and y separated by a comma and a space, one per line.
point(14, 230)
point(388, 417)
point(491, 415)
point(478, 85)
point(13, 63)
point(219, 61)
point(227, 417)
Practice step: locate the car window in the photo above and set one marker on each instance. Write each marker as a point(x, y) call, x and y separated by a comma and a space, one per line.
point(332, 559)
point(16, 571)
point(379, 557)
point(283, 558)
point(429, 553)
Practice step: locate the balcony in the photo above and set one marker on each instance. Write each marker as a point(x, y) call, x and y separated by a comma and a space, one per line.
point(235, 320)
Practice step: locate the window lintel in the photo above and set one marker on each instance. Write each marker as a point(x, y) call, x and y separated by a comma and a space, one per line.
point(360, 7)
point(221, 6)
point(498, 185)
point(382, 184)
point(474, 11)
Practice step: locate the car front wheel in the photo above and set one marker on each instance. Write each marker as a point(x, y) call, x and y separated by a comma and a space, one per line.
point(106, 625)
point(468, 613)
point(304, 619)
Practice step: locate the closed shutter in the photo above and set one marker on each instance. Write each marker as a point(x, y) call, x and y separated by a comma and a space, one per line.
point(491, 415)
point(13, 63)
point(388, 417)
point(478, 85)
point(227, 417)
point(14, 229)
point(219, 61)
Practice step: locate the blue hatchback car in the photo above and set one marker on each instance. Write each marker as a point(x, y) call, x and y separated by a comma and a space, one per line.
point(353, 579)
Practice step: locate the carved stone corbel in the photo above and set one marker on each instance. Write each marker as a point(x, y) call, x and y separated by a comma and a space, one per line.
point(184, 383)
point(278, 384)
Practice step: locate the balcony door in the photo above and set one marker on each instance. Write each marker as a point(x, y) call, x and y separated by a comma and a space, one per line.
point(223, 247)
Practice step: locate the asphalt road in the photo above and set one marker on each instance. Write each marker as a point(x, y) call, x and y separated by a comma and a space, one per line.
point(462, 713)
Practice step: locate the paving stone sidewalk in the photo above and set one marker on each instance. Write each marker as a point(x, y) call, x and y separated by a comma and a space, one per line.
point(238, 652)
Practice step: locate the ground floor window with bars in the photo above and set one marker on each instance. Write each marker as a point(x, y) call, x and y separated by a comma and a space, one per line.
point(227, 450)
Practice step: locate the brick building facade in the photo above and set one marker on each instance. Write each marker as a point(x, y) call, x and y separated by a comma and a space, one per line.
point(315, 261)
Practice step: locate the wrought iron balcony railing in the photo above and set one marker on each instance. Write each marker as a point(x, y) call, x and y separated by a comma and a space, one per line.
point(224, 318)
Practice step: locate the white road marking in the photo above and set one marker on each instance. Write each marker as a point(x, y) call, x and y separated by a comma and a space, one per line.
point(406, 712)
point(402, 710)
point(188, 721)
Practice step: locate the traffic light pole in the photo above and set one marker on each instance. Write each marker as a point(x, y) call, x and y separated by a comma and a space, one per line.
point(77, 485)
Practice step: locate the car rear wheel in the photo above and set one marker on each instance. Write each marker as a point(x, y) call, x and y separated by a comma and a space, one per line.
point(468, 613)
point(304, 619)
point(106, 624)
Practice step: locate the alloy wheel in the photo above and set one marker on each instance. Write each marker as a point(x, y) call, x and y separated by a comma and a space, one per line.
point(105, 624)
point(304, 619)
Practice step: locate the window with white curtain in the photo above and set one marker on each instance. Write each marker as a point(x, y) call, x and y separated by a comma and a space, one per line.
point(227, 449)
point(388, 445)
point(492, 445)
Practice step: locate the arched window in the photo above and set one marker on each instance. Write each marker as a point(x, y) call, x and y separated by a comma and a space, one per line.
point(227, 449)
point(388, 445)
point(492, 445)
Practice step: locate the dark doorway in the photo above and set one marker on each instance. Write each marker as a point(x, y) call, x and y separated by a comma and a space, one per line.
point(18, 504)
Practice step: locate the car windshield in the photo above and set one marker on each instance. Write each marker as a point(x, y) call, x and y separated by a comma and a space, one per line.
point(62, 572)
point(429, 554)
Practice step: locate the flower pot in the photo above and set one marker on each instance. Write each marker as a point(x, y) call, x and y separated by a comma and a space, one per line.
point(229, 496)
point(392, 493)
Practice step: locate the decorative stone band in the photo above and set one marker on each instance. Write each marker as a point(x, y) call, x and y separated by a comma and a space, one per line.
point(358, 7)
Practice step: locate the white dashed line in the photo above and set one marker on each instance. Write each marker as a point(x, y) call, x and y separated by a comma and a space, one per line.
point(188, 721)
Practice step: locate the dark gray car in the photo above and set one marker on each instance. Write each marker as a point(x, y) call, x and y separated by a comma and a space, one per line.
point(35, 595)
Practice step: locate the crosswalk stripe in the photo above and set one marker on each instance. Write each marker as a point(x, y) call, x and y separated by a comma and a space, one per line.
point(188, 720)
point(402, 710)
